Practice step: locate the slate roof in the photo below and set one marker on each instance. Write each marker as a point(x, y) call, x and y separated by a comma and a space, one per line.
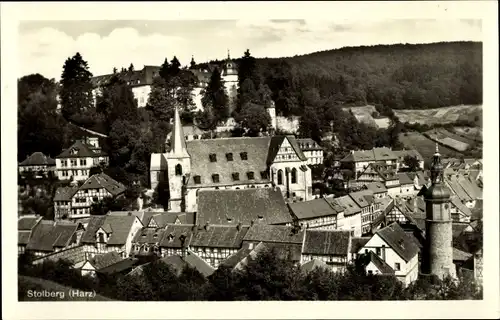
point(119, 226)
point(358, 243)
point(397, 239)
point(346, 202)
point(101, 261)
point(404, 178)
point(120, 266)
point(164, 218)
point(38, 159)
point(276, 234)
point(236, 257)
point(173, 232)
point(260, 151)
point(47, 235)
point(460, 206)
point(65, 193)
point(381, 265)
point(375, 154)
point(135, 78)
point(149, 236)
point(362, 198)
point(260, 205)
point(23, 237)
point(314, 264)
point(219, 237)
point(144, 216)
point(194, 261)
point(326, 242)
point(465, 188)
point(102, 180)
point(27, 223)
point(458, 228)
point(376, 187)
point(308, 144)
point(312, 209)
point(82, 151)
point(401, 154)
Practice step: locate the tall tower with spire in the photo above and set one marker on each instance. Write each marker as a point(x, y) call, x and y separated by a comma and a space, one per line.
point(438, 249)
point(178, 165)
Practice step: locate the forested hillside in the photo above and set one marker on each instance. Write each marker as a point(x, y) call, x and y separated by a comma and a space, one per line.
point(402, 76)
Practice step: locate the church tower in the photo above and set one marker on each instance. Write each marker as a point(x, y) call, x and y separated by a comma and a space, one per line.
point(178, 165)
point(438, 250)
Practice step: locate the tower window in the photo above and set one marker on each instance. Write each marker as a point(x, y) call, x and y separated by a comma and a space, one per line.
point(244, 156)
point(178, 170)
point(229, 156)
point(197, 179)
point(264, 175)
point(215, 178)
point(236, 176)
point(250, 175)
point(213, 157)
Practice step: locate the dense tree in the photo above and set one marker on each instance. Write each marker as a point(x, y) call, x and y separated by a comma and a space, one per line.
point(247, 94)
point(253, 118)
point(412, 163)
point(215, 97)
point(76, 87)
point(247, 70)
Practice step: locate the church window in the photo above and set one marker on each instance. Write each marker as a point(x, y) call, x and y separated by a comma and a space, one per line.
point(178, 170)
point(213, 157)
point(250, 175)
point(280, 176)
point(229, 156)
point(264, 175)
point(244, 156)
point(236, 176)
point(294, 175)
point(197, 179)
point(215, 178)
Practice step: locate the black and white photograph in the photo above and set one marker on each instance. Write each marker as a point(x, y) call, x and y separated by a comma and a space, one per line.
point(232, 159)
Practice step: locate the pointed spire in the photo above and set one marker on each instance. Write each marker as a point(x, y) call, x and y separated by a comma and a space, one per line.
point(228, 55)
point(177, 140)
point(437, 149)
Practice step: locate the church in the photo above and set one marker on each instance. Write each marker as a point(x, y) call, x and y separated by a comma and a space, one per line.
point(229, 163)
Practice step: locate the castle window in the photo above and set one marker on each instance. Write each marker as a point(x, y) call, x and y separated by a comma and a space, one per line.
point(280, 176)
point(197, 179)
point(294, 175)
point(213, 157)
point(244, 156)
point(264, 175)
point(236, 176)
point(229, 156)
point(215, 178)
point(250, 175)
point(178, 170)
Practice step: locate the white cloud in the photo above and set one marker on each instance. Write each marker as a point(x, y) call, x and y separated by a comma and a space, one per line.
point(45, 50)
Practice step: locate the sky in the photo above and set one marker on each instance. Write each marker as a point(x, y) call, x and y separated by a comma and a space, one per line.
point(43, 46)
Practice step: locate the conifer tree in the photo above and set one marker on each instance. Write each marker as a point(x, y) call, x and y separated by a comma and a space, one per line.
point(215, 97)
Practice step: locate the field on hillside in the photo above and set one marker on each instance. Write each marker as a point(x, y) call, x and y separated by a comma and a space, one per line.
point(473, 134)
point(27, 284)
point(425, 146)
point(440, 115)
point(449, 139)
point(364, 114)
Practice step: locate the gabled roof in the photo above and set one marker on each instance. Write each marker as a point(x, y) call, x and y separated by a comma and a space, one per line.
point(346, 202)
point(27, 223)
point(380, 264)
point(65, 193)
point(362, 198)
point(312, 209)
point(258, 205)
point(397, 239)
point(38, 159)
point(120, 266)
point(404, 178)
point(376, 187)
point(308, 144)
point(173, 233)
point(358, 243)
point(47, 235)
point(149, 236)
point(326, 242)
point(101, 261)
point(277, 234)
point(459, 255)
point(102, 180)
point(314, 264)
point(460, 206)
point(236, 257)
point(219, 237)
point(163, 218)
point(375, 154)
point(119, 226)
point(384, 171)
point(80, 150)
point(23, 237)
point(144, 216)
point(194, 261)
point(134, 78)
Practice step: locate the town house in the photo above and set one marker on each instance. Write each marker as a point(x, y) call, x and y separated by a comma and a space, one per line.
point(62, 202)
point(176, 239)
point(146, 242)
point(162, 219)
point(76, 161)
point(48, 237)
point(400, 252)
point(316, 214)
point(110, 233)
point(350, 218)
point(407, 186)
point(38, 163)
point(25, 226)
point(330, 246)
point(312, 150)
point(380, 172)
point(358, 161)
point(93, 190)
point(370, 209)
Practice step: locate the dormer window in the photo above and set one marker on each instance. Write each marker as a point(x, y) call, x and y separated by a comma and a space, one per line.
point(244, 156)
point(213, 157)
point(101, 237)
point(236, 176)
point(250, 175)
point(229, 156)
point(197, 179)
point(215, 178)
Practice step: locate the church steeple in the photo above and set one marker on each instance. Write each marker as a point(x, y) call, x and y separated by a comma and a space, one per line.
point(177, 139)
point(228, 55)
point(437, 167)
